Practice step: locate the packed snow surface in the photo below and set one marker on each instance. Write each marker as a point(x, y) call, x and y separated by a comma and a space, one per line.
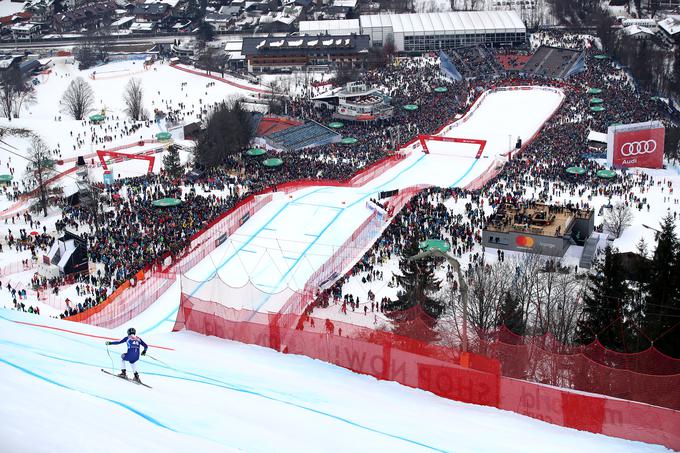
point(212, 395)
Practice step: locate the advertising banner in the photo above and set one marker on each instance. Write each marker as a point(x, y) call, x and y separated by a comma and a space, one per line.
point(636, 145)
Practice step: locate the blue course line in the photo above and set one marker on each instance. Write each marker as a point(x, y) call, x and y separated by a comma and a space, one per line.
point(59, 384)
point(166, 319)
point(220, 384)
point(249, 251)
point(464, 174)
point(248, 241)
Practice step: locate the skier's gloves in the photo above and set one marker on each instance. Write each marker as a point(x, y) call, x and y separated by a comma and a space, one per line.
point(108, 343)
point(144, 352)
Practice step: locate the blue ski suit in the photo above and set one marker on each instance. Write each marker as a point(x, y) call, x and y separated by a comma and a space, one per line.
point(133, 344)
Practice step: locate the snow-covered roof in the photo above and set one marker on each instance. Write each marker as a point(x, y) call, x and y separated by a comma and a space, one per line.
point(123, 21)
point(142, 26)
point(345, 3)
point(231, 46)
point(456, 22)
point(632, 30)
point(332, 27)
point(170, 3)
point(26, 26)
point(670, 25)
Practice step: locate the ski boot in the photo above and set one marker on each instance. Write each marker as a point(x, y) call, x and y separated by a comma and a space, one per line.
point(122, 374)
point(136, 378)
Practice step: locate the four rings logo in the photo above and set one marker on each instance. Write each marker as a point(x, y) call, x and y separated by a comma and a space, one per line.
point(638, 148)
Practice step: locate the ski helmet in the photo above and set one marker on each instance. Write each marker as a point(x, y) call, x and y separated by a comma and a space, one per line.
point(132, 331)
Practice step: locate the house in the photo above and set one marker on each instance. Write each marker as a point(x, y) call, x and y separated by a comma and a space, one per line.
point(151, 12)
point(219, 22)
point(670, 29)
point(231, 10)
point(123, 23)
point(143, 27)
point(638, 32)
point(88, 16)
point(25, 31)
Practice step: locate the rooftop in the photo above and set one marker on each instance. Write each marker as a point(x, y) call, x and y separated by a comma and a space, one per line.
point(535, 218)
point(463, 21)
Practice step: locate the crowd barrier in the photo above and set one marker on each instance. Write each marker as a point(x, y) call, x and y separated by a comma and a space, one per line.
point(447, 372)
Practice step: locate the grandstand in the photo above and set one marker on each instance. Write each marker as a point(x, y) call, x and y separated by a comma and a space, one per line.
point(555, 62)
point(269, 124)
point(304, 136)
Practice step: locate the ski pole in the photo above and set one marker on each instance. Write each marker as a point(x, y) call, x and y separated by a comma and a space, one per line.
point(109, 353)
point(159, 361)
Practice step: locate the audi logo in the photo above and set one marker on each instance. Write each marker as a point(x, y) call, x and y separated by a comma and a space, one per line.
point(638, 148)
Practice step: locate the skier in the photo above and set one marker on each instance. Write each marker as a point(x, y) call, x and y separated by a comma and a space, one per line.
point(132, 354)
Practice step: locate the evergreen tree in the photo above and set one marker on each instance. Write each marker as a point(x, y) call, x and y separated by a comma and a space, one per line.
point(663, 300)
point(605, 304)
point(511, 315)
point(415, 311)
point(228, 130)
point(171, 162)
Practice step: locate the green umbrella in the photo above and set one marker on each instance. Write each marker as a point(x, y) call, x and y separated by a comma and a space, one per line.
point(253, 152)
point(601, 57)
point(441, 90)
point(336, 125)
point(616, 124)
point(654, 98)
point(97, 117)
point(606, 174)
point(596, 100)
point(410, 107)
point(594, 91)
point(597, 108)
point(435, 244)
point(163, 136)
point(6, 178)
point(575, 170)
point(348, 141)
point(273, 162)
point(166, 202)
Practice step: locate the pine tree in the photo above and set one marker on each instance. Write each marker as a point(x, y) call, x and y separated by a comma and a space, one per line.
point(415, 311)
point(171, 162)
point(511, 315)
point(605, 305)
point(663, 290)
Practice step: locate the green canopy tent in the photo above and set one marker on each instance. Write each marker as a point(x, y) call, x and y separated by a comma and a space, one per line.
point(163, 136)
point(254, 152)
point(336, 125)
point(606, 174)
point(596, 100)
point(410, 107)
point(5, 179)
point(272, 163)
point(96, 118)
point(441, 90)
point(601, 57)
point(594, 91)
point(575, 170)
point(434, 244)
point(166, 202)
point(348, 141)
point(597, 108)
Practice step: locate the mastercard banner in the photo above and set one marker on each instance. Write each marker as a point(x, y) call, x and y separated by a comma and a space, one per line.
point(636, 145)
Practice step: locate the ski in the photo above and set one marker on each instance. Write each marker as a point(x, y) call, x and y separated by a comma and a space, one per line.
point(125, 379)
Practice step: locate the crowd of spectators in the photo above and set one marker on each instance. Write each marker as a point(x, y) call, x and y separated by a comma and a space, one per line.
point(132, 234)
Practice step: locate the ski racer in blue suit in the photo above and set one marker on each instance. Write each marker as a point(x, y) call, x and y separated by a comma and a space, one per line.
point(132, 354)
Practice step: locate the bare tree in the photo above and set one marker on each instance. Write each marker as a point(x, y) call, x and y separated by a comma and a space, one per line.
point(133, 98)
point(38, 173)
point(14, 92)
point(78, 99)
point(618, 218)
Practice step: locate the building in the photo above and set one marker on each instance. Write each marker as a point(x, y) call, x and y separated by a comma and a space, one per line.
point(662, 4)
point(670, 29)
point(433, 31)
point(88, 16)
point(538, 228)
point(330, 27)
point(356, 102)
point(295, 52)
point(25, 31)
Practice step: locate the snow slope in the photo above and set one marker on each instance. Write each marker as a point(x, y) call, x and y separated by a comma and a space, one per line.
point(211, 395)
point(288, 239)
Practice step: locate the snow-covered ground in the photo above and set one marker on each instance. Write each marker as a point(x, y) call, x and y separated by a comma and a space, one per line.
point(7, 8)
point(288, 239)
point(212, 395)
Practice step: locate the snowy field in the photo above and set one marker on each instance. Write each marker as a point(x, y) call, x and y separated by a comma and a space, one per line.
point(212, 395)
point(286, 241)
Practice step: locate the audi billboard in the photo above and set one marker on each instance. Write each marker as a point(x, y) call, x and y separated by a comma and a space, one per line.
point(636, 145)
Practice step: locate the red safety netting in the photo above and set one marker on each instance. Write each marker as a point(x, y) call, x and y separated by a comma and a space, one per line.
point(446, 372)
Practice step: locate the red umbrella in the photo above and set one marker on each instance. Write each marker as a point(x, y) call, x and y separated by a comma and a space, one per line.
point(34, 233)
